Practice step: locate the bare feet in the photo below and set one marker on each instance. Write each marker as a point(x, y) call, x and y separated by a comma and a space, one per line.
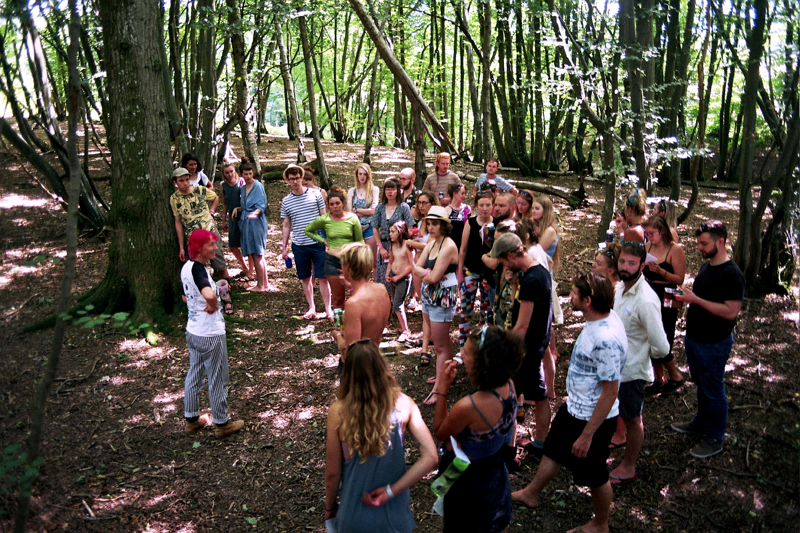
point(589, 527)
point(311, 314)
point(256, 288)
point(523, 499)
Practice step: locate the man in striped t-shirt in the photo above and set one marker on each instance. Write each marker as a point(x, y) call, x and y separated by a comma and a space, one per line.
point(298, 209)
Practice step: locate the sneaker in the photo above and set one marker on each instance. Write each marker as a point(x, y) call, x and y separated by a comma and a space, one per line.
point(227, 429)
point(687, 428)
point(200, 423)
point(653, 389)
point(671, 387)
point(707, 448)
point(413, 305)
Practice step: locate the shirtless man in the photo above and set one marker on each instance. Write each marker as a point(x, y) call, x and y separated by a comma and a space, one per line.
point(366, 312)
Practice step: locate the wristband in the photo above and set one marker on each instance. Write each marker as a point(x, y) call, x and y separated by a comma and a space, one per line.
point(389, 491)
point(427, 271)
point(459, 275)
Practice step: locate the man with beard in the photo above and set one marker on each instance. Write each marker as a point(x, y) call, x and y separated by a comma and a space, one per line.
point(714, 305)
point(583, 426)
point(639, 308)
point(504, 206)
point(532, 316)
point(406, 178)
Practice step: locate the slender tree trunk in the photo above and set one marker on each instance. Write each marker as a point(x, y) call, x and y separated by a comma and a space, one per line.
point(409, 88)
point(371, 110)
point(743, 248)
point(293, 120)
point(324, 179)
point(39, 406)
point(242, 108)
point(631, 43)
point(206, 145)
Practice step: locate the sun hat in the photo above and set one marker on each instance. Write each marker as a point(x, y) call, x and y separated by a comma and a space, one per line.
point(438, 213)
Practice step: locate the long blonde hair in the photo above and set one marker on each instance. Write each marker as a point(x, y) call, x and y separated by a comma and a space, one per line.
point(368, 393)
point(368, 185)
point(548, 220)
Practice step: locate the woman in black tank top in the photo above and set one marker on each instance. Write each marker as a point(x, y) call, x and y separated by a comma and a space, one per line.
point(667, 271)
point(436, 266)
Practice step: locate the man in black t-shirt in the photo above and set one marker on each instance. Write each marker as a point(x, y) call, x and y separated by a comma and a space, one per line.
point(714, 304)
point(532, 316)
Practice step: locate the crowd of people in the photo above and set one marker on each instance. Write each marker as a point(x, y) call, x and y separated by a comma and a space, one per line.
point(382, 248)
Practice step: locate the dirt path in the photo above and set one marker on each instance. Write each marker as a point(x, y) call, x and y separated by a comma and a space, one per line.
point(117, 458)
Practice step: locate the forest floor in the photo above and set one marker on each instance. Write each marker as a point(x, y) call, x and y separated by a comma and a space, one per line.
point(117, 458)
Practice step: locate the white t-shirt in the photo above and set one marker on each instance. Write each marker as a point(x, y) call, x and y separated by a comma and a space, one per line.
point(599, 355)
point(200, 323)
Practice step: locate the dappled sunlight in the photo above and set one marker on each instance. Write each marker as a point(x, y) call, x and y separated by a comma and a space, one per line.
point(639, 514)
point(10, 201)
point(723, 202)
point(136, 419)
point(166, 397)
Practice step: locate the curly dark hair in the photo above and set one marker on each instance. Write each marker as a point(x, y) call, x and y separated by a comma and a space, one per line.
point(498, 359)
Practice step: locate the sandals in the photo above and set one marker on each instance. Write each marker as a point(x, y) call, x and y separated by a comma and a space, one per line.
point(227, 307)
point(425, 359)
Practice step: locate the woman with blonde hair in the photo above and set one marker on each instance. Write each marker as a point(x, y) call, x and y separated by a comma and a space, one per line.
point(365, 455)
point(361, 200)
point(667, 209)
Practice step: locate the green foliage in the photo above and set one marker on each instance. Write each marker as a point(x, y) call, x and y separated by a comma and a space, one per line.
point(16, 474)
point(118, 320)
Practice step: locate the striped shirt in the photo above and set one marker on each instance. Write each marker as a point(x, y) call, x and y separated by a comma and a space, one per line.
point(302, 210)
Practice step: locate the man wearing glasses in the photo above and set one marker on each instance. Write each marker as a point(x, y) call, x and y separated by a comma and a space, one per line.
point(714, 304)
point(407, 188)
point(298, 209)
point(582, 429)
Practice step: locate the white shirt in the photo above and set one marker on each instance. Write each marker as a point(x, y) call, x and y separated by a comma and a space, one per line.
point(598, 355)
point(640, 311)
point(200, 323)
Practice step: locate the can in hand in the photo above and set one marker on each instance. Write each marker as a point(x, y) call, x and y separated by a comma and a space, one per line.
point(288, 262)
point(669, 298)
point(337, 318)
point(609, 235)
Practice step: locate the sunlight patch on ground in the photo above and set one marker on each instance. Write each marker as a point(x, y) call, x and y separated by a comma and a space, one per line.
point(711, 203)
point(639, 515)
point(306, 413)
point(158, 499)
point(136, 419)
point(168, 397)
point(794, 316)
point(11, 201)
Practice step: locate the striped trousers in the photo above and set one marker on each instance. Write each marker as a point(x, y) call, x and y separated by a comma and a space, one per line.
point(208, 357)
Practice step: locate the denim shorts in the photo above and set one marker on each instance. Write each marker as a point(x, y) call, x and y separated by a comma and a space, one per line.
point(439, 314)
point(367, 233)
point(307, 256)
point(631, 399)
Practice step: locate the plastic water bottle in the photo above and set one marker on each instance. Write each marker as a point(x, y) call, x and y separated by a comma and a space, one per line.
point(443, 483)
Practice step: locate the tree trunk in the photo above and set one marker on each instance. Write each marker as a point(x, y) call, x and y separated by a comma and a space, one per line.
point(293, 119)
point(144, 244)
point(372, 111)
point(39, 406)
point(206, 48)
point(242, 108)
point(409, 88)
point(744, 242)
point(631, 43)
point(324, 179)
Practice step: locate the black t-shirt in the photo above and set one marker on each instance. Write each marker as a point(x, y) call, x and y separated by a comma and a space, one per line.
point(411, 199)
point(536, 287)
point(716, 284)
point(476, 248)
